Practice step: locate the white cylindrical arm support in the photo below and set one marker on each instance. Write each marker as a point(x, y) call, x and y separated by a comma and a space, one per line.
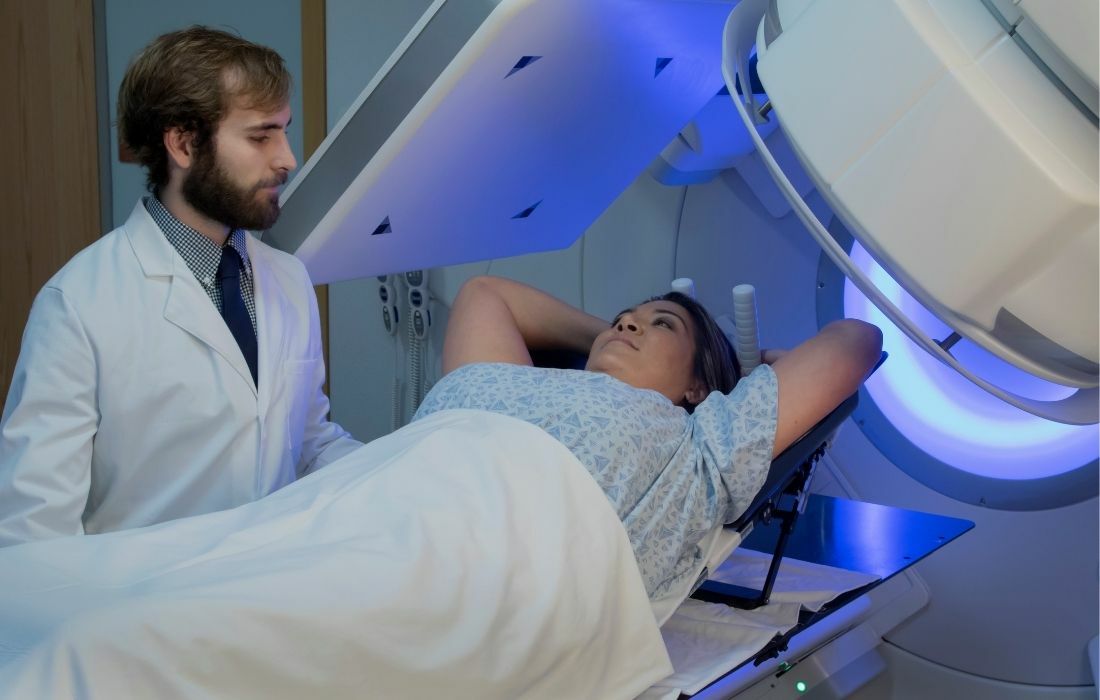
point(747, 345)
point(684, 285)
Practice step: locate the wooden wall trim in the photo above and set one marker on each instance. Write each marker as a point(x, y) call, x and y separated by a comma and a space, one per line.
point(315, 116)
point(49, 185)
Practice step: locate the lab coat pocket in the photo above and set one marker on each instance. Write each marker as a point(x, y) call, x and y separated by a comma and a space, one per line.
point(300, 376)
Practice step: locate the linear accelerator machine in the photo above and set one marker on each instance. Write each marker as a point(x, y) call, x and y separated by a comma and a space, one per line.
point(938, 157)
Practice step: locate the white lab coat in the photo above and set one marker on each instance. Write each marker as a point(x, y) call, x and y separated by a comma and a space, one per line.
point(132, 404)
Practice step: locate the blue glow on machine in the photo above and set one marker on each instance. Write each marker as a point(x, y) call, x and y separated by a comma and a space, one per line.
point(951, 419)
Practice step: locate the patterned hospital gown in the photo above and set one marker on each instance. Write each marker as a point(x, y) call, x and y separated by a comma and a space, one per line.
point(670, 475)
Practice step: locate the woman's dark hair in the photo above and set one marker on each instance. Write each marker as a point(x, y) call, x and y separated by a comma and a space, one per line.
point(715, 361)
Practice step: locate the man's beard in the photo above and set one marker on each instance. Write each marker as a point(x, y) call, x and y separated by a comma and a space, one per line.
point(209, 190)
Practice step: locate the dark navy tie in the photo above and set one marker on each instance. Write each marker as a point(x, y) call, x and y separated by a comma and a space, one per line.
point(234, 311)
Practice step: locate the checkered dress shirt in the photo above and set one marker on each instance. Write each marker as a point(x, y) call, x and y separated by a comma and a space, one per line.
point(203, 255)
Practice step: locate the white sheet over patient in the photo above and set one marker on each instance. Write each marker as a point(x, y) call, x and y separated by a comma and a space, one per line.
point(467, 555)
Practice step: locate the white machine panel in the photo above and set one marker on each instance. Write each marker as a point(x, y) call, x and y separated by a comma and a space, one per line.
point(961, 167)
point(517, 142)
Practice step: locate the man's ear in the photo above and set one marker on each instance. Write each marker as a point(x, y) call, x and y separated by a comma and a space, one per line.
point(180, 146)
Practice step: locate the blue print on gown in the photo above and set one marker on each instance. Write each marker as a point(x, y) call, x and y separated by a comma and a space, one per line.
point(670, 475)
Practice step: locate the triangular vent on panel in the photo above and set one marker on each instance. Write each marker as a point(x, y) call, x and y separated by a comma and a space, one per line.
point(662, 63)
point(528, 211)
point(383, 227)
point(522, 63)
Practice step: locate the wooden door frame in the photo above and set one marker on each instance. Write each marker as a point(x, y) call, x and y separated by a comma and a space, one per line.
point(315, 119)
point(49, 189)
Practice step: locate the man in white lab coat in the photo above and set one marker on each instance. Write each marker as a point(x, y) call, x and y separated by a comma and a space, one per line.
point(174, 366)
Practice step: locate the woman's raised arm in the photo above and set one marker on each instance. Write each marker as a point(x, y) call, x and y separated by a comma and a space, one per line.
point(815, 377)
point(496, 320)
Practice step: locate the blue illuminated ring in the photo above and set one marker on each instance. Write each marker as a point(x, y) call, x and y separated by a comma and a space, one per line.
point(1051, 465)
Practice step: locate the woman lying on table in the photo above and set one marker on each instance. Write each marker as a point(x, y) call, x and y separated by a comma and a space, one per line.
point(658, 416)
point(465, 555)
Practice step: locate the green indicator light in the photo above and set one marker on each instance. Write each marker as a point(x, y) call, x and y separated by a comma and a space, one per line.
point(800, 686)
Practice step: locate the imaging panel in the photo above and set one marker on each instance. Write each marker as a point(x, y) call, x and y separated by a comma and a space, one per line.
point(496, 131)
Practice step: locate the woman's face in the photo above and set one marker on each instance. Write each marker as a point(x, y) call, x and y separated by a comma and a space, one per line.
point(651, 346)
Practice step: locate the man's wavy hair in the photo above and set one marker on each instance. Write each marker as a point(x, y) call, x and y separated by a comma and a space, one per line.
point(190, 79)
point(715, 362)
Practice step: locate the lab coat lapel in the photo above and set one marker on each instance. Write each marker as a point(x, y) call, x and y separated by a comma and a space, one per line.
point(187, 306)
